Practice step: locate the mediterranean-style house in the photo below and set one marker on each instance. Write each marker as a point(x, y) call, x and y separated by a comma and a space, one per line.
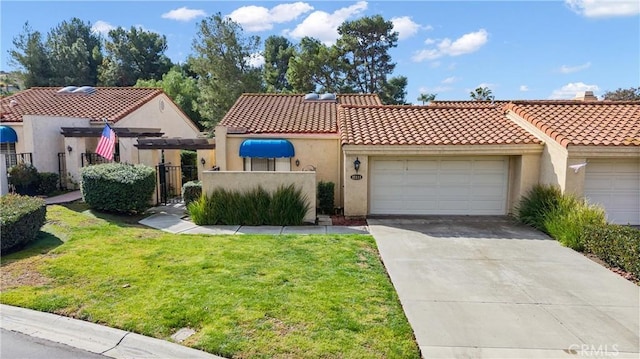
point(448, 158)
point(59, 128)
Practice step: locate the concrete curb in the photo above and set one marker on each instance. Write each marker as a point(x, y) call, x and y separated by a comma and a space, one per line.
point(92, 337)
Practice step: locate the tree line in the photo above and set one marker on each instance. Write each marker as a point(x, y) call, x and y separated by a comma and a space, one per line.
point(221, 66)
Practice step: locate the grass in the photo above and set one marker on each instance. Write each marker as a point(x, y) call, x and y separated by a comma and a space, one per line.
point(246, 296)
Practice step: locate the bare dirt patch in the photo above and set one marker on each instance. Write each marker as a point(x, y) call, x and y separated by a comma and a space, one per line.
point(21, 273)
point(338, 220)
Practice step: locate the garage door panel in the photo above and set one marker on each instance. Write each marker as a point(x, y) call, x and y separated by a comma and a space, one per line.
point(440, 186)
point(615, 185)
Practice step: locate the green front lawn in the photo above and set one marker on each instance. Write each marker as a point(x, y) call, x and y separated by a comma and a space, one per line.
point(246, 296)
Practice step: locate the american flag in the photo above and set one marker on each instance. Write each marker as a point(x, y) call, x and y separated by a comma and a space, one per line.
point(107, 143)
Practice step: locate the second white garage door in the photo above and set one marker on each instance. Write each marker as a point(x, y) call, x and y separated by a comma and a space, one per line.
point(456, 186)
point(615, 185)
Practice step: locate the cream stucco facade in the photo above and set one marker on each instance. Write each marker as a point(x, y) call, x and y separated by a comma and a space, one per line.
point(522, 173)
point(320, 153)
point(270, 181)
point(41, 136)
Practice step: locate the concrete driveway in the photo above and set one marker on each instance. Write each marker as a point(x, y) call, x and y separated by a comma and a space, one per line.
point(487, 287)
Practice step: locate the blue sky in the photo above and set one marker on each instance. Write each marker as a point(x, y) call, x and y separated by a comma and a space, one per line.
point(519, 49)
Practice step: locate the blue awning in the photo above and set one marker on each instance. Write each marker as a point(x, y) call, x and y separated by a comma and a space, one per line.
point(262, 148)
point(8, 135)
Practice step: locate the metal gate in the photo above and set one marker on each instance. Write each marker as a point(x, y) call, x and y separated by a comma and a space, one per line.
point(168, 179)
point(62, 170)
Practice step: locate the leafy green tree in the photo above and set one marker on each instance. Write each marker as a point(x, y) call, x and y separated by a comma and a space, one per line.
point(75, 53)
point(316, 67)
point(181, 88)
point(30, 54)
point(630, 94)
point(221, 62)
point(364, 45)
point(393, 91)
point(427, 97)
point(481, 94)
point(132, 55)
point(277, 53)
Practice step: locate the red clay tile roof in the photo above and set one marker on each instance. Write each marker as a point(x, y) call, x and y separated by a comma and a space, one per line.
point(112, 103)
point(284, 113)
point(598, 123)
point(429, 125)
point(468, 103)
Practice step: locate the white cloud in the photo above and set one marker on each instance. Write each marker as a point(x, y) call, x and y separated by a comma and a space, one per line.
point(183, 14)
point(102, 27)
point(436, 89)
point(429, 41)
point(604, 8)
point(570, 90)
point(569, 69)
point(405, 27)
point(324, 26)
point(255, 60)
point(465, 44)
point(257, 18)
point(449, 80)
point(524, 88)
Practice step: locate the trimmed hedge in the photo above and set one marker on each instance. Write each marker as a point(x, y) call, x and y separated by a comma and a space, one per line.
point(47, 182)
point(191, 191)
point(24, 177)
point(285, 207)
point(325, 197)
point(21, 218)
point(118, 187)
point(617, 245)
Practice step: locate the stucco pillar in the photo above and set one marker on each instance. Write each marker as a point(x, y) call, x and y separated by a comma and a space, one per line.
point(128, 152)
point(4, 185)
point(73, 159)
point(574, 182)
point(221, 147)
point(209, 157)
point(524, 175)
point(356, 190)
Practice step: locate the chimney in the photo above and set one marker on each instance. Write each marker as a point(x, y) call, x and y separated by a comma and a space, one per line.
point(585, 96)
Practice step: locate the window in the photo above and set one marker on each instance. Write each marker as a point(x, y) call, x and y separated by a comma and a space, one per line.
point(267, 164)
point(8, 148)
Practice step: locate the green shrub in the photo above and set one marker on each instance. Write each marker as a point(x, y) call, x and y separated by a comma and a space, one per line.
point(325, 197)
point(617, 245)
point(188, 158)
point(566, 222)
point(535, 205)
point(47, 182)
point(118, 187)
point(286, 206)
point(21, 218)
point(24, 177)
point(191, 191)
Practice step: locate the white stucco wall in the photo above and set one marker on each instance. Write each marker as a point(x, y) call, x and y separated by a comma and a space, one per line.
point(163, 114)
point(43, 139)
point(270, 181)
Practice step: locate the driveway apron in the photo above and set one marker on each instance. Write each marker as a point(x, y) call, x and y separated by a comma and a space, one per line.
point(487, 287)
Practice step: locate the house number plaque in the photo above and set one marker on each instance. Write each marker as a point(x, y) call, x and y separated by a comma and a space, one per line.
point(356, 177)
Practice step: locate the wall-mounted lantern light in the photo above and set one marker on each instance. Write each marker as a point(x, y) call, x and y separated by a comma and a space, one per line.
point(202, 161)
point(69, 149)
point(356, 164)
point(297, 163)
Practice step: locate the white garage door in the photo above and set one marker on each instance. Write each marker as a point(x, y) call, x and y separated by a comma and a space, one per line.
point(615, 184)
point(439, 186)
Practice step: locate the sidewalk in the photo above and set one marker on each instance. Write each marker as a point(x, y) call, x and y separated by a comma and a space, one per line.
point(64, 198)
point(114, 343)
